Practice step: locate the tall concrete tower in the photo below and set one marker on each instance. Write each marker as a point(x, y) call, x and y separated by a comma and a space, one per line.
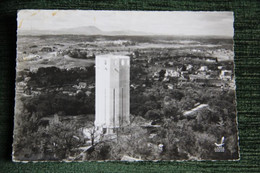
point(112, 92)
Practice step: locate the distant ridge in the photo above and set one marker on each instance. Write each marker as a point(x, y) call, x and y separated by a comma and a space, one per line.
point(84, 30)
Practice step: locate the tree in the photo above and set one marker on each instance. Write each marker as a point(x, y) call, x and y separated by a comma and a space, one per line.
point(153, 115)
point(93, 134)
point(133, 144)
point(162, 73)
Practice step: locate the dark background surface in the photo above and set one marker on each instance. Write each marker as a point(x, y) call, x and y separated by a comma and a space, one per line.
point(247, 71)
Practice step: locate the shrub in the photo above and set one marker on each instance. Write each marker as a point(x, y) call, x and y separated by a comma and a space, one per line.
point(152, 115)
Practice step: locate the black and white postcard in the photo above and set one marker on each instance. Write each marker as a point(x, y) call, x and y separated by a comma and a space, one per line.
point(125, 85)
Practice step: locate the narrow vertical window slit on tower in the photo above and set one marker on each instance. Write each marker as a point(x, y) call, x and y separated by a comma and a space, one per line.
point(122, 116)
point(105, 106)
point(114, 107)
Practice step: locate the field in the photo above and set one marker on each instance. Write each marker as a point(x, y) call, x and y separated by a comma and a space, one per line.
point(182, 98)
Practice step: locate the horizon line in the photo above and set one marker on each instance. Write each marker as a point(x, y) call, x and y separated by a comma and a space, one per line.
point(150, 35)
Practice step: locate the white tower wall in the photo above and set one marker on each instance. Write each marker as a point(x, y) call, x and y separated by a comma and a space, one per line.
point(112, 91)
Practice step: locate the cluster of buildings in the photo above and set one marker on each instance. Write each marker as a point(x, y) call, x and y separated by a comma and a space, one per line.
point(204, 70)
point(201, 75)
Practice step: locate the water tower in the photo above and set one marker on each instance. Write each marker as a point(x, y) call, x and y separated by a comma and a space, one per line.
point(112, 92)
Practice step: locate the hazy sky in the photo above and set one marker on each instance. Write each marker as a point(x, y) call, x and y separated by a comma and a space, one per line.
point(165, 23)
